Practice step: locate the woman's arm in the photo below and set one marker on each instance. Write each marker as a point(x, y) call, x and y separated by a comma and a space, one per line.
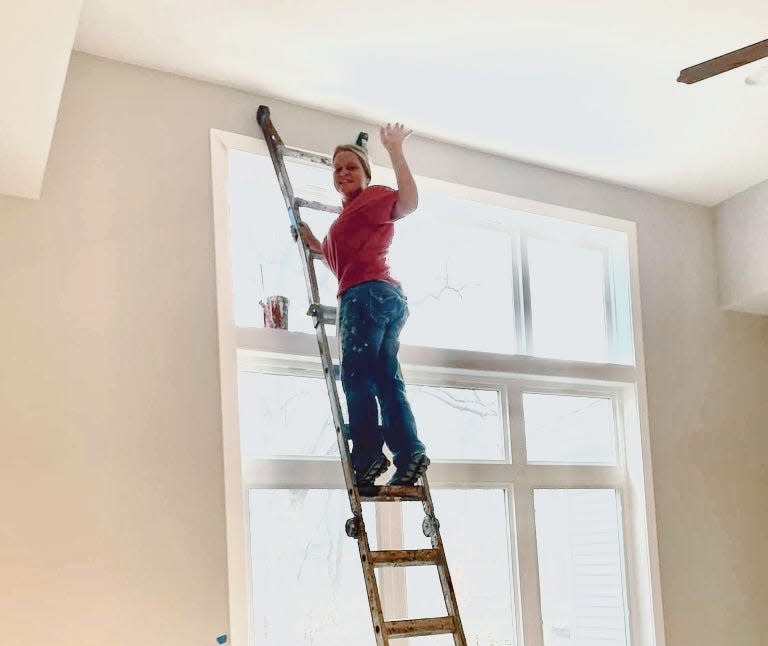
point(408, 196)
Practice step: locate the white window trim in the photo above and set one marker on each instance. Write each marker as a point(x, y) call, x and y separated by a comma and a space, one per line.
point(640, 536)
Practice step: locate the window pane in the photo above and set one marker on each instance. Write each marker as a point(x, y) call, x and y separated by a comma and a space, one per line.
point(458, 423)
point(569, 429)
point(456, 268)
point(288, 415)
point(567, 300)
point(308, 586)
point(285, 415)
point(583, 601)
point(475, 529)
point(265, 260)
point(455, 262)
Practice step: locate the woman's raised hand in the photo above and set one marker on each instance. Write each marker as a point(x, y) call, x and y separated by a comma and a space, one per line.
point(393, 136)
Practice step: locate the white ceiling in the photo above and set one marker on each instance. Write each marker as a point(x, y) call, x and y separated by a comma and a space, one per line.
point(587, 87)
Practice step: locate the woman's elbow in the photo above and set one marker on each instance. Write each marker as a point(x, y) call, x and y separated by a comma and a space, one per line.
point(404, 208)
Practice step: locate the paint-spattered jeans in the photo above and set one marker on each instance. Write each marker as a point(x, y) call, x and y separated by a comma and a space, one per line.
point(371, 316)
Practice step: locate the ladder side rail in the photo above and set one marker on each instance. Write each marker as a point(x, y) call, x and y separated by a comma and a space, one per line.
point(381, 627)
point(449, 594)
point(372, 589)
point(338, 418)
point(369, 575)
point(275, 146)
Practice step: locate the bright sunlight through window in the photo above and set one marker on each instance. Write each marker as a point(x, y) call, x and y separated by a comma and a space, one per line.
point(522, 377)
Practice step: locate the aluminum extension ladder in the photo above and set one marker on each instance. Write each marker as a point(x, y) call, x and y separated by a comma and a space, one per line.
point(355, 527)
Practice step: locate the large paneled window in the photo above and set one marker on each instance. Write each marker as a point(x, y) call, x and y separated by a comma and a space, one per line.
point(521, 368)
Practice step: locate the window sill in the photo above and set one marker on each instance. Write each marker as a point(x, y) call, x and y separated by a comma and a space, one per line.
point(267, 346)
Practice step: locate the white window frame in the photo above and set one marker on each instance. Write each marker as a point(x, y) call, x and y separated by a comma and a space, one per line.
point(296, 352)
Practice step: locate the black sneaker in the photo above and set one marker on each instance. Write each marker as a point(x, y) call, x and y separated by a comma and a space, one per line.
point(375, 469)
point(411, 472)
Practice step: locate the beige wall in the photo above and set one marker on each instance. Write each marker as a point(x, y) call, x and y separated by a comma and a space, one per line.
point(111, 485)
point(742, 237)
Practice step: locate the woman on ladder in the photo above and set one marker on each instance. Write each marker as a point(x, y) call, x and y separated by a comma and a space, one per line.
point(372, 310)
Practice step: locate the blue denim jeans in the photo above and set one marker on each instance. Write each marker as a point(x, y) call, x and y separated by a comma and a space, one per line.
point(371, 316)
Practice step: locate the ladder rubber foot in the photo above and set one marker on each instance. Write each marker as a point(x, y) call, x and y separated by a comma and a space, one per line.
point(262, 115)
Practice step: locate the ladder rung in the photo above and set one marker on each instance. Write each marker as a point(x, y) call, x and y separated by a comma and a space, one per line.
point(316, 206)
point(405, 558)
point(313, 158)
point(419, 627)
point(325, 313)
point(391, 494)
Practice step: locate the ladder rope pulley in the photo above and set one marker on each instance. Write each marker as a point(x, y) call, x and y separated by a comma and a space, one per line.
point(323, 315)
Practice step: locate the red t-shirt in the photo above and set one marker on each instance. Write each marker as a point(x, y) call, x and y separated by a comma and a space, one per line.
point(358, 241)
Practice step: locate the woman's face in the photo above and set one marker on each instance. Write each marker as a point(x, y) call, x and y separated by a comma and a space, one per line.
point(348, 174)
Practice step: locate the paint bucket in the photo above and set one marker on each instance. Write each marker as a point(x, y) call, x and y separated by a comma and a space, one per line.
point(275, 312)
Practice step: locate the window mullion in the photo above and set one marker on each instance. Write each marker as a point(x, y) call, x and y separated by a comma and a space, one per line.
point(300, 473)
point(517, 291)
point(516, 426)
point(528, 593)
point(611, 331)
point(567, 476)
point(628, 556)
point(304, 473)
point(525, 303)
point(392, 584)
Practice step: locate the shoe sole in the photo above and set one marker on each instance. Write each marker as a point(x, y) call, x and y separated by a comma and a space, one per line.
point(377, 468)
point(420, 468)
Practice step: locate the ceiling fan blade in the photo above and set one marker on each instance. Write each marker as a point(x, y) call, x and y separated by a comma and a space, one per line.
point(723, 63)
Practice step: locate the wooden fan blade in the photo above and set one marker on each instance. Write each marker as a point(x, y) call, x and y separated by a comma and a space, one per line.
point(723, 63)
